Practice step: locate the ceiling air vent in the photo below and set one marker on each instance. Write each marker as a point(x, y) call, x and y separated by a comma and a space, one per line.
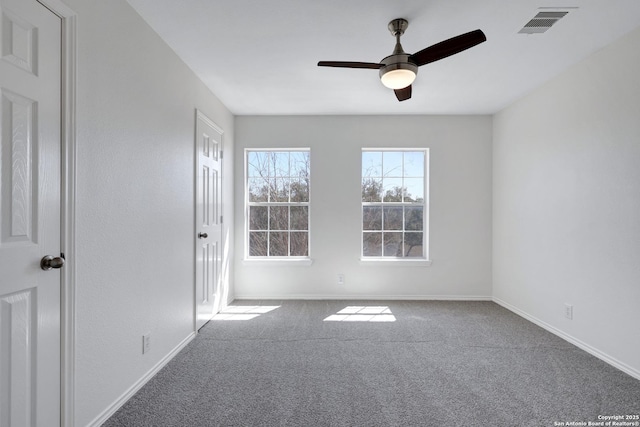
point(541, 22)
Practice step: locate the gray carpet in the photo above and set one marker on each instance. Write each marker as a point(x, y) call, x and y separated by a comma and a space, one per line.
point(439, 364)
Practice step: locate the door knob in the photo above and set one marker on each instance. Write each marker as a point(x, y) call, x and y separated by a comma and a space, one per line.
point(202, 235)
point(48, 262)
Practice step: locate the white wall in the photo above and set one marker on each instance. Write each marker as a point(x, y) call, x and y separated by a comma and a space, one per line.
point(136, 106)
point(460, 207)
point(566, 225)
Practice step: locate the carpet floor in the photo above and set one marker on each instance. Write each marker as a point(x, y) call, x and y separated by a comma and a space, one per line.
point(374, 363)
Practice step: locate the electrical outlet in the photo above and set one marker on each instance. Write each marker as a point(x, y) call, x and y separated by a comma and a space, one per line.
point(568, 311)
point(340, 279)
point(146, 343)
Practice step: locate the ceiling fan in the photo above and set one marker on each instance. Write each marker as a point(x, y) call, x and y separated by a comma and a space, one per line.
point(398, 70)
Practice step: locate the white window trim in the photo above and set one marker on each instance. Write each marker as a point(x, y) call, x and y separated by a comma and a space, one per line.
point(423, 261)
point(395, 262)
point(278, 261)
point(273, 260)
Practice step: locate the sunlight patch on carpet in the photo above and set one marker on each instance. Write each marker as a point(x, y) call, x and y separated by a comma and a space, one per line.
point(244, 312)
point(356, 313)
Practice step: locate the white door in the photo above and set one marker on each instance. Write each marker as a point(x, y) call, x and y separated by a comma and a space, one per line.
point(208, 219)
point(30, 51)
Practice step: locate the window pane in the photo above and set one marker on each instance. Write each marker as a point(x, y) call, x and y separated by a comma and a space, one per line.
point(279, 218)
point(300, 190)
point(413, 218)
point(299, 244)
point(371, 164)
point(371, 244)
point(393, 218)
point(277, 201)
point(372, 218)
point(279, 165)
point(299, 165)
point(413, 245)
point(392, 163)
point(258, 190)
point(393, 190)
point(393, 244)
point(257, 164)
point(258, 244)
point(371, 189)
point(258, 218)
point(414, 164)
point(414, 190)
point(279, 190)
point(393, 202)
point(279, 244)
point(299, 218)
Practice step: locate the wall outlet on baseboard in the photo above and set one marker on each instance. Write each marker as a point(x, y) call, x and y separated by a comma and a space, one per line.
point(146, 343)
point(340, 279)
point(568, 311)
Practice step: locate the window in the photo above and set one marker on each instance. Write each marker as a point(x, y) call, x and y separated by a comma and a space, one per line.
point(394, 220)
point(277, 200)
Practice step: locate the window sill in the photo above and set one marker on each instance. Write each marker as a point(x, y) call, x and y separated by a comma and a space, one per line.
point(394, 262)
point(277, 262)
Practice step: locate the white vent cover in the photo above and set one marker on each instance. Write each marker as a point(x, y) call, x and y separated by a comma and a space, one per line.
point(541, 22)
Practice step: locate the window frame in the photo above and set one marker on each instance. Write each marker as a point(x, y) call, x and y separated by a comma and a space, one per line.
point(422, 260)
point(300, 259)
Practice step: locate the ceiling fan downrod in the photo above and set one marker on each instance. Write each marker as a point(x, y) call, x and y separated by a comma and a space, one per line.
point(397, 71)
point(397, 28)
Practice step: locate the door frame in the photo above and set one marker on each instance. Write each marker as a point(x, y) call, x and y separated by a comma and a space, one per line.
point(68, 56)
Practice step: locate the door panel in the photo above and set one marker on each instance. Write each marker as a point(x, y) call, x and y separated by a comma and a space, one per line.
point(30, 76)
point(208, 219)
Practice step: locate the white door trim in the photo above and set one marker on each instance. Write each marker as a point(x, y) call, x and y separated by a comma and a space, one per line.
point(68, 202)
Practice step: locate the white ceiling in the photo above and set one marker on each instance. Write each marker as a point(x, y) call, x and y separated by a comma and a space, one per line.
point(259, 57)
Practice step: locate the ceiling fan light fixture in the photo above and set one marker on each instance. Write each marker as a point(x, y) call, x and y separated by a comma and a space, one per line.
point(398, 75)
point(398, 79)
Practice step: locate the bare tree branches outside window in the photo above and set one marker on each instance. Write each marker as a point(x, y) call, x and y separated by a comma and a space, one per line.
point(278, 203)
point(393, 203)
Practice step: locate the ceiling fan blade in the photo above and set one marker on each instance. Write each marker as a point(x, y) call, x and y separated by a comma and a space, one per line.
point(448, 47)
point(346, 64)
point(403, 94)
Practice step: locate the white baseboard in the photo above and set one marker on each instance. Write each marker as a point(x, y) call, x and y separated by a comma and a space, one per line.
point(107, 413)
point(363, 297)
point(580, 344)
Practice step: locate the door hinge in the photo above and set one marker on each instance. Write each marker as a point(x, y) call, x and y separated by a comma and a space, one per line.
point(221, 154)
point(221, 219)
